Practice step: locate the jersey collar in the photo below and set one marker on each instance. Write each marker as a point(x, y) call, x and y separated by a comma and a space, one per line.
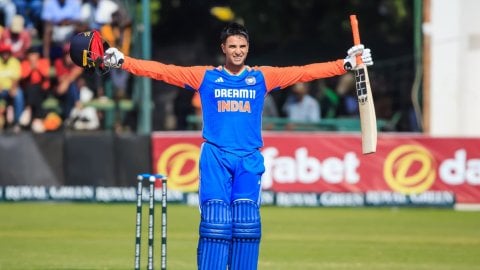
point(245, 68)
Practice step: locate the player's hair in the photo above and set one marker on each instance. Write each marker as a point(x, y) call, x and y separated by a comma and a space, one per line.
point(233, 29)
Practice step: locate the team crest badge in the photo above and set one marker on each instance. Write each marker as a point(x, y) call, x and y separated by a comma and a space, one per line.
point(250, 80)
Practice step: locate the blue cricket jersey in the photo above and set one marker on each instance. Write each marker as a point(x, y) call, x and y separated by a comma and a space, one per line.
point(232, 104)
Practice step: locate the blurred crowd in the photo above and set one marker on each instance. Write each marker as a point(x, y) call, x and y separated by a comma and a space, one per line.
point(41, 89)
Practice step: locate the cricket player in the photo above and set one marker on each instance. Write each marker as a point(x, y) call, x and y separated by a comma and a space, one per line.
point(231, 164)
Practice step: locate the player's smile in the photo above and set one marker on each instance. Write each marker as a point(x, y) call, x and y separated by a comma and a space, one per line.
point(238, 58)
point(235, 49)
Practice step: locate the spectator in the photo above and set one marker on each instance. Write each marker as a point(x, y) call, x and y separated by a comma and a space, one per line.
point(7, 7)
point(84, 117)
point(348, 100)
point(87, 17)
point(269, 107)
point(65, 86)
point(97, 13)
point(35, 82)
point(112, 20)
point(61, 19)
point(114, 24)
point(269, 110)
point(10, 91)
point(18, 37)
point(31, 10)
point(300, 106)
point(115, 27)
point(328, 98)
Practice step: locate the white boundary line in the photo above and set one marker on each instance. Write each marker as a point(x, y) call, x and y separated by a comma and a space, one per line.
point(467, 207)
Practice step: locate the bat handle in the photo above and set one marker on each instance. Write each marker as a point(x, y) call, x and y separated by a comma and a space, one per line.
point(356, 34)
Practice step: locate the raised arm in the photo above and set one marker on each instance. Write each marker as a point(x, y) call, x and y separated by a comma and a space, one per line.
point(282, 77)
point(185, 77)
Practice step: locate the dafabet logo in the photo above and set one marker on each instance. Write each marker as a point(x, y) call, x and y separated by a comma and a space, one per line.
point(409, 169)
point(412, 169)
point(180, 162)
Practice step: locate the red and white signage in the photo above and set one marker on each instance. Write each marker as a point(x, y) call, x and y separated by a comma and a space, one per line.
point(329, 162)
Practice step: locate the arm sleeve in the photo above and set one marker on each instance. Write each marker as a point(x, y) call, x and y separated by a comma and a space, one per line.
point(185, 77)
point(282, 77)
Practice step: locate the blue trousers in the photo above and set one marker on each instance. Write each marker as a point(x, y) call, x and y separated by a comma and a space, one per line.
point(17, 101)
point(230, 226)
point(228, 176)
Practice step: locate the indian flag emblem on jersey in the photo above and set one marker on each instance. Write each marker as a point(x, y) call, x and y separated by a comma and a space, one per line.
point(250, 80)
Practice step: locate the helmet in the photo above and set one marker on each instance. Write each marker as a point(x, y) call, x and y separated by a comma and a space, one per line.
point(87, 49)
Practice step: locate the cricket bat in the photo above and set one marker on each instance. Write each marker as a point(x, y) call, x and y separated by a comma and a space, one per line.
point(368, 120)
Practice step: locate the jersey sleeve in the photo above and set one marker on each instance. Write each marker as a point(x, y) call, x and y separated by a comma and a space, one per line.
point(282, 77)
point(185, 77)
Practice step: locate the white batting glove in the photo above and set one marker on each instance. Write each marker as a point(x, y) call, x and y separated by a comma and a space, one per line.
point(113, 58)
point(350, 62)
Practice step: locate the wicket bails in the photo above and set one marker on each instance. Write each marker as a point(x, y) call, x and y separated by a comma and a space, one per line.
point(151, 178)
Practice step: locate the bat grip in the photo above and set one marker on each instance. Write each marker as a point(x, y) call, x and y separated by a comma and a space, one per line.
point(356, 34)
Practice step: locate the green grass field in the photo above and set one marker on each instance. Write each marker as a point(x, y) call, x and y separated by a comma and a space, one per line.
point(101, 236)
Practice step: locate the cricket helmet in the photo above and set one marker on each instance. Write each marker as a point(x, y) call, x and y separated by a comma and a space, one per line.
point(87, 50)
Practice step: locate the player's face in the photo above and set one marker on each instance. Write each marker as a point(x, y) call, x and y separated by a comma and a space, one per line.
point(235, 49)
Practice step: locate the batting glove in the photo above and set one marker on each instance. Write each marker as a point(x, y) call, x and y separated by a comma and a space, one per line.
point(350, 62)
point(113, 58)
